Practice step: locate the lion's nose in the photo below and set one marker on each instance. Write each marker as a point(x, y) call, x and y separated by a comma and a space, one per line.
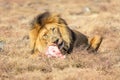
point(56, 41)
point(59, 42)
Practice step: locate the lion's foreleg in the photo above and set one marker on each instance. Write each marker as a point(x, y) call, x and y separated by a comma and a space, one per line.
point(66, 35)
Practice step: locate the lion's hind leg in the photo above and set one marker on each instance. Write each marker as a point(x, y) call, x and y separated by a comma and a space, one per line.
point(95, 42)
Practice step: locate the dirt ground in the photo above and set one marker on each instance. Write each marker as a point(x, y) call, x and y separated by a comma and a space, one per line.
point(91, 17)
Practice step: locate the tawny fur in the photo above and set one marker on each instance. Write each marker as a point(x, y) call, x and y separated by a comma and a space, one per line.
point(50, 28)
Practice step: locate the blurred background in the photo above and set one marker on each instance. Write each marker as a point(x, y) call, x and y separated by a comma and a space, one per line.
point(91, 17)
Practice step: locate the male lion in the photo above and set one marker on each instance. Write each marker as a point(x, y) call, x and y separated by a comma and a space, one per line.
point(48, 29)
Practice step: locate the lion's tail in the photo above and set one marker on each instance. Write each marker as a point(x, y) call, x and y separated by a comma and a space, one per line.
point(95, 42)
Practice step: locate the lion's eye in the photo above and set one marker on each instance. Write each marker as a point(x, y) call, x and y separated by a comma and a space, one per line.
point(45, 36)
point(54, 29)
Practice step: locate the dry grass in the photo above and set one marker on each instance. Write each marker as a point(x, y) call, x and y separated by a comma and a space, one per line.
point(91, 17)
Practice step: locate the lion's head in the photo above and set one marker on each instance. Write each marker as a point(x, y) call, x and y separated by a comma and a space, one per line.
point(50, 29)
point(49, 35)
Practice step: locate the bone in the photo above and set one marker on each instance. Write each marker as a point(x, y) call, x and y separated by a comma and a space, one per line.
point(53, 51)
